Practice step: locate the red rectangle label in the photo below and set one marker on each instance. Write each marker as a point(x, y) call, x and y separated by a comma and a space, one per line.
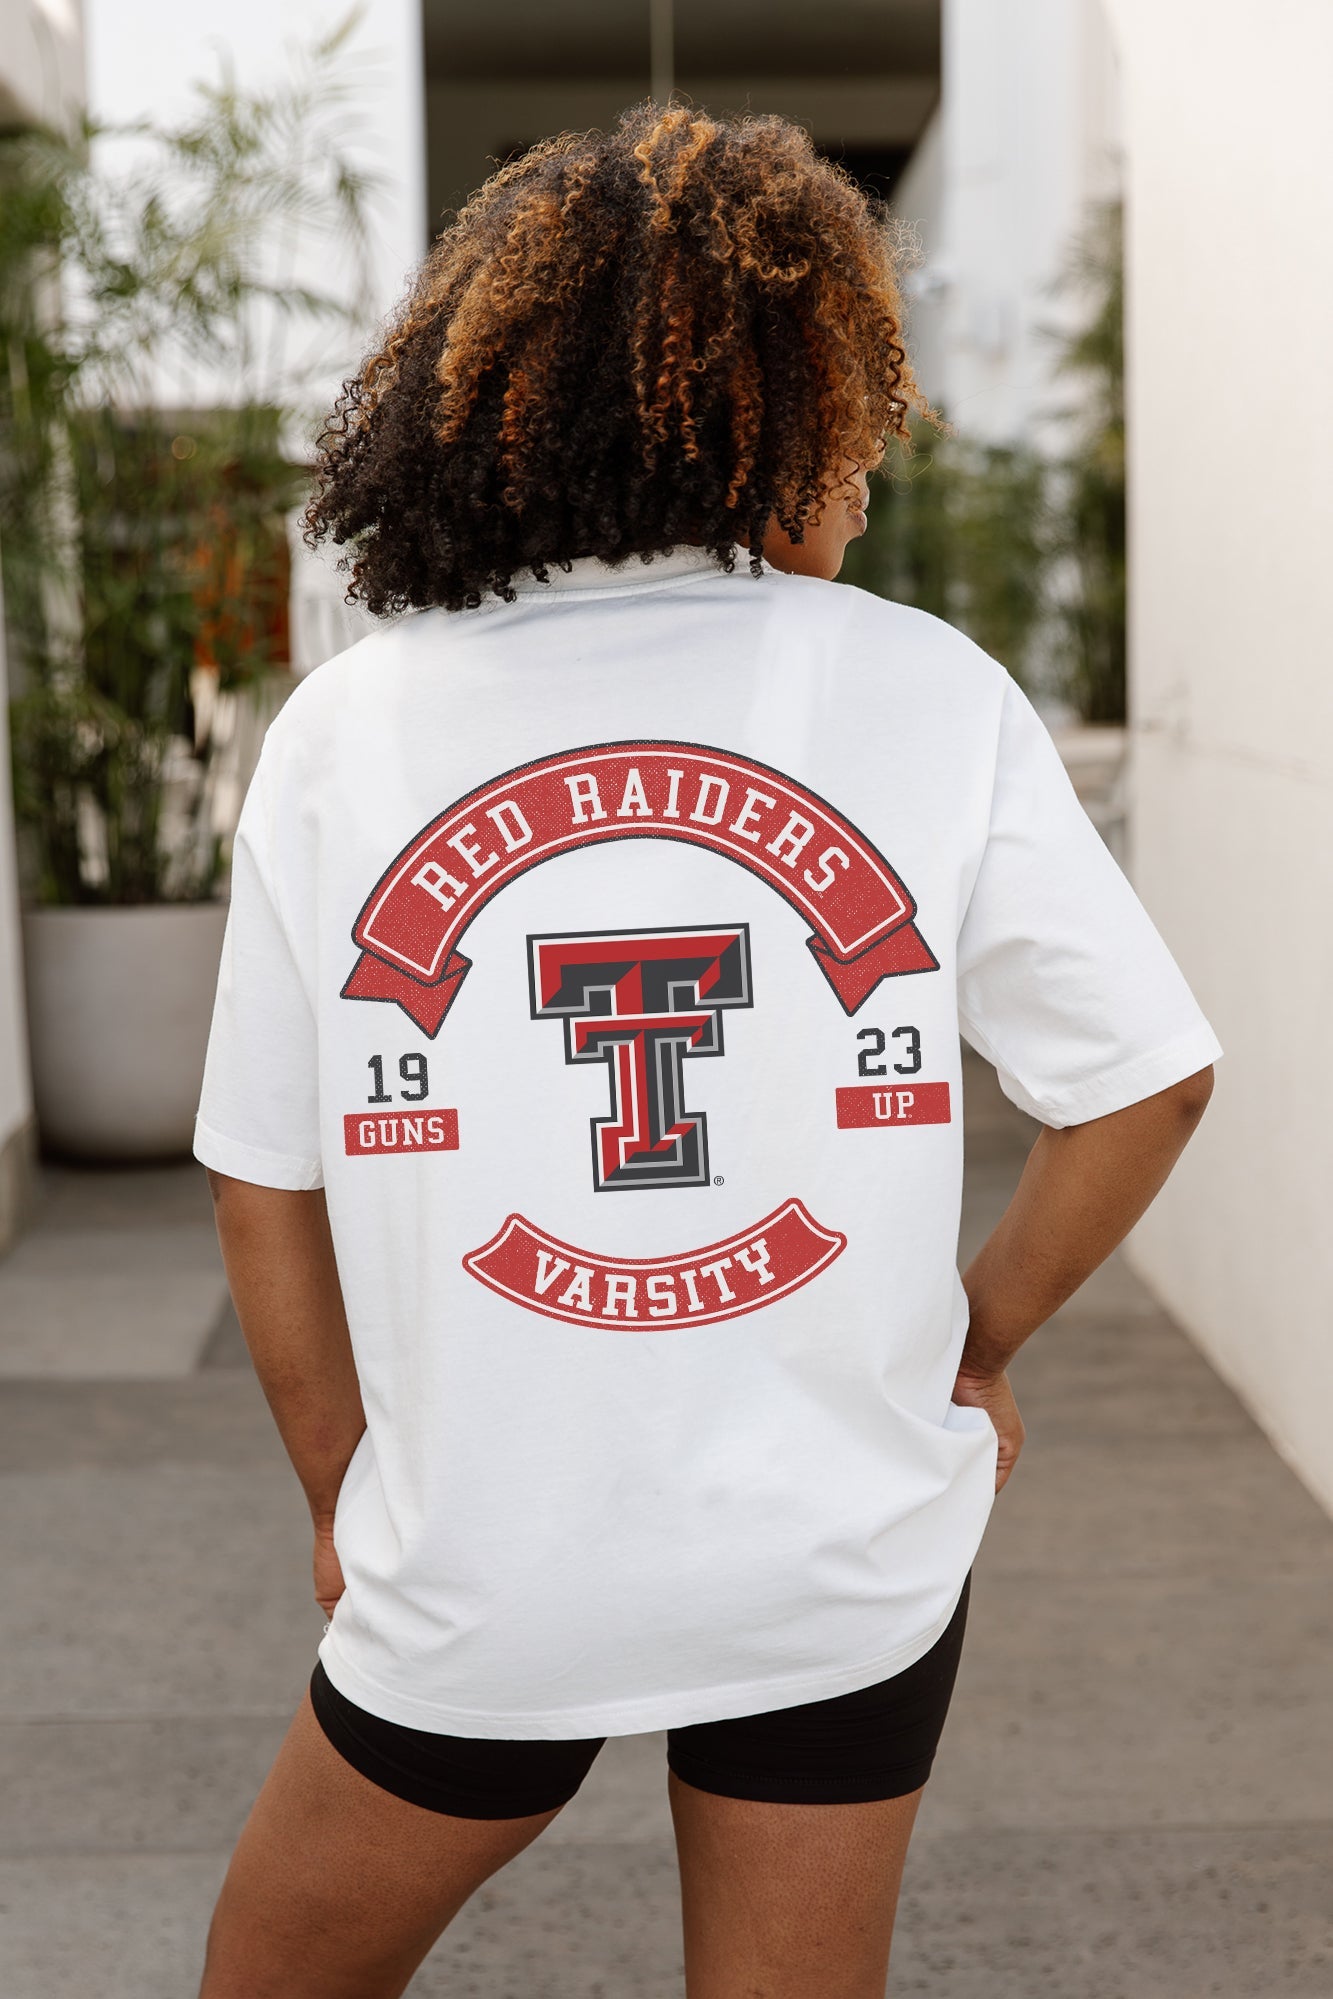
point(400, 1131)
point(862, 1105)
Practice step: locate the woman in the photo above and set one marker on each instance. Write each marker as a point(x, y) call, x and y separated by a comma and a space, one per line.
point(629, 1389)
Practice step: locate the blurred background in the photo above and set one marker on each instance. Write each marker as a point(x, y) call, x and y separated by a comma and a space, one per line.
point(1118, 219)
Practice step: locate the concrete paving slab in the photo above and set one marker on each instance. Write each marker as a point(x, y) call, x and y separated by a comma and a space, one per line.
point(1148, 1505)
point(1105, 1379)
point(165, 1784)
point(104, 1926)
point(102, 1303)
point(216, 1419)
point(1196, 1912)
point(171, 1590)
point(1139, 1700)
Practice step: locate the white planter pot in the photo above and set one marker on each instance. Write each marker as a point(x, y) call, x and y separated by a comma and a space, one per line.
point(119, 1004)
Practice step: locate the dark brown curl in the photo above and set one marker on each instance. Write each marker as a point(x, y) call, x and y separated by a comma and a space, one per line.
point(682, 331)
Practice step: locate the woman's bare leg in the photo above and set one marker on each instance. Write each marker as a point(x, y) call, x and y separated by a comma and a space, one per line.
point(337, 1889)
point(788, 1901)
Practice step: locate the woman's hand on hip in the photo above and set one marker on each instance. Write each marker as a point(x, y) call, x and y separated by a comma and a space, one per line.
point(329, 1583)
point(992, 1393)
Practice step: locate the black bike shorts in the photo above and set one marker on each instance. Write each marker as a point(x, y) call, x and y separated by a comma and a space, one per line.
point(877, 1742)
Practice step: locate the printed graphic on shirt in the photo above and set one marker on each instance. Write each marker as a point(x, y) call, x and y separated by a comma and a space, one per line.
point(721, 1281)
point(409, 932)
point(424, 1131)
point(642, 1002)
point(861, 1107)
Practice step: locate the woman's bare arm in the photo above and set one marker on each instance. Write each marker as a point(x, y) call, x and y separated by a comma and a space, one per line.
point(278, 1254)
point(1081, 1193)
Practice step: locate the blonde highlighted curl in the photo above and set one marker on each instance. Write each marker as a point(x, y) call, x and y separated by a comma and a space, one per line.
point(680, 331)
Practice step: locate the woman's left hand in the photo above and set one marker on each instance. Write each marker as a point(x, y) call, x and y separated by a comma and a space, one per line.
point(329, 1583)
point(992, 1393)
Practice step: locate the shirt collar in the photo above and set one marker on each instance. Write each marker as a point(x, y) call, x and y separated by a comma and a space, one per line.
point(589, 572)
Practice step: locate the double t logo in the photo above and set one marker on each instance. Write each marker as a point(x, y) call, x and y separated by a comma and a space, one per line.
point(642, 1002)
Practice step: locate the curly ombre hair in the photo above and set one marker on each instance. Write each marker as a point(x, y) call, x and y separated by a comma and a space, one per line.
point(682, 331)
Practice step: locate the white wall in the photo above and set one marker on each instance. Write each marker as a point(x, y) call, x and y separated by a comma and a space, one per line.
point(41, 60)
point(1230, 277)
point(1025, 136)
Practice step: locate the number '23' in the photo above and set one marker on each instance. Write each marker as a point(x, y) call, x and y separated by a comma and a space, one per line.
point(876, 1043)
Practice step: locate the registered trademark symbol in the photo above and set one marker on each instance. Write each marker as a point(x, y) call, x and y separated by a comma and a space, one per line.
point(718, 1180)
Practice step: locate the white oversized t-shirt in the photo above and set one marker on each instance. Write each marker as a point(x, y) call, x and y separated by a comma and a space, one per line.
point(603, 955)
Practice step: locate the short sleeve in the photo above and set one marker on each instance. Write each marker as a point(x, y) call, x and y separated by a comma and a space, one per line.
point(1063, 982)
point(259, 1111)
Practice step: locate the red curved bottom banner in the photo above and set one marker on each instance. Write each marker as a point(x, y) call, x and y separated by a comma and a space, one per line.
point(695, 1287)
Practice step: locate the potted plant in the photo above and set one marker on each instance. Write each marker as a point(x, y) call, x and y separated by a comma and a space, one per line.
point(143, 531)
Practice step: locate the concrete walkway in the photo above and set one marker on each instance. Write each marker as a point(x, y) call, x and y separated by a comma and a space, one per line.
point(1134, 1798)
